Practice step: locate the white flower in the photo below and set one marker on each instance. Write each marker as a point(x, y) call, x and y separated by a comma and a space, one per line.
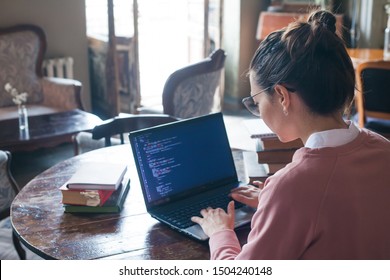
point(23, 96)
point(8, 87)
point(18, 99)
point(14, 92)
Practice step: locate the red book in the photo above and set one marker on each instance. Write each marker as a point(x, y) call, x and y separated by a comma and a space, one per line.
point(84, 197)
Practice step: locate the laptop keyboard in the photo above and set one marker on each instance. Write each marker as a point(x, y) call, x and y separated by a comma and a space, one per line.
point(182, 217)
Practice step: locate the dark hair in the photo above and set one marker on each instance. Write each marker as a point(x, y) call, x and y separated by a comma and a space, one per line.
point(310, 58)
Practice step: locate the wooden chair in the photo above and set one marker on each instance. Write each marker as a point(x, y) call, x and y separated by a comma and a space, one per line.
point(103, 135)
point(271, 21)
point(373, 96)
point(8, 190)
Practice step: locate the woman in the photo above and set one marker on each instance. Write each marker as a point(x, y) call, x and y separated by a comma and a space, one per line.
point(333, 200)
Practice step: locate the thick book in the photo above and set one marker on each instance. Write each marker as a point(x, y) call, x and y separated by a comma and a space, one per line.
point(113, 205)
point(84, 197)
point(275, 144)
point(272, 168)
point(258, 129)
point(276, 156)
point(97, 176)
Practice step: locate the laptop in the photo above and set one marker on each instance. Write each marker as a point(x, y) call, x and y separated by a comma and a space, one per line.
point(186, 166)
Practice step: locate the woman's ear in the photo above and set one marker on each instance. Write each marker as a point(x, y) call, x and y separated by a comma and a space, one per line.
point(283, 97)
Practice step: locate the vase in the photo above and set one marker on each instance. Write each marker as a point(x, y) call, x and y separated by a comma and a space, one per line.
point(23, 121)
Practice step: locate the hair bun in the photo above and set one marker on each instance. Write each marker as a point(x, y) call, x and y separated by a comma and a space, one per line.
point(324, 19)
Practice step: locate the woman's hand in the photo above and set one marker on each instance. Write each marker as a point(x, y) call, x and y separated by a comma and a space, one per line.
point(248, 195)
point(215, 219)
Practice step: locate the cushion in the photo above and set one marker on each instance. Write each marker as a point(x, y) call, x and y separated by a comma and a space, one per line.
point(195, 96)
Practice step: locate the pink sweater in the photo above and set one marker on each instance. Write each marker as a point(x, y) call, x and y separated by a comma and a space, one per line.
point(329, 203)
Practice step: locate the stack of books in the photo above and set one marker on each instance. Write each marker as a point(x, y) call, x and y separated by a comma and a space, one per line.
point(271, 154)
point(96, 188)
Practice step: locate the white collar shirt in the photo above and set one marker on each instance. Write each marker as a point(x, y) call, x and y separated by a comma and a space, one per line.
point(333, 137)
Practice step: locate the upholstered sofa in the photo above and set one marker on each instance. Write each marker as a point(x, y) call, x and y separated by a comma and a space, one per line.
point(22, 50)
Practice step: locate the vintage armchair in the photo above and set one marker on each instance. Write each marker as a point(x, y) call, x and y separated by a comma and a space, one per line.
point(192, 91)
point(8, 190)
point(373, 97)
point(22, 49)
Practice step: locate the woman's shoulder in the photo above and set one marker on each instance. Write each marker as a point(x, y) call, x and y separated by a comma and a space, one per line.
point(300, 173)
point(366, 140)
point(317, 165)
point(374, 138)
point(299, 184)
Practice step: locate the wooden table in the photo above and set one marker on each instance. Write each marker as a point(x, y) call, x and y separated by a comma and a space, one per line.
point(363, 55)
point(45, 130)
point(39, 220)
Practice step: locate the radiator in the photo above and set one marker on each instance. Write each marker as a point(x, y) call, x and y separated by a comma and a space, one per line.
point(61, 67)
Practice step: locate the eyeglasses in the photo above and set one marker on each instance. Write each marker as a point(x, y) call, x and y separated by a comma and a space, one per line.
point(251, 105)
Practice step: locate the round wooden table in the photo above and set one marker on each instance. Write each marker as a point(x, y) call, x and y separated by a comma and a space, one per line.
point(39, 220)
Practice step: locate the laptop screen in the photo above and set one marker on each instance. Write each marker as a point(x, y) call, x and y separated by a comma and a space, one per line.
point(183, 157)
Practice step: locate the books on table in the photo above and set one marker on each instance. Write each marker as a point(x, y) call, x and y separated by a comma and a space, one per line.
point(275, 156)
point(97, 176)
point(276, 144)
point(272, 168)
point(268, 140)
point(258, 129)
point(114, 203)
point(96, 187)
point(271, 154)
point(84, 197)
point(270, 150)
